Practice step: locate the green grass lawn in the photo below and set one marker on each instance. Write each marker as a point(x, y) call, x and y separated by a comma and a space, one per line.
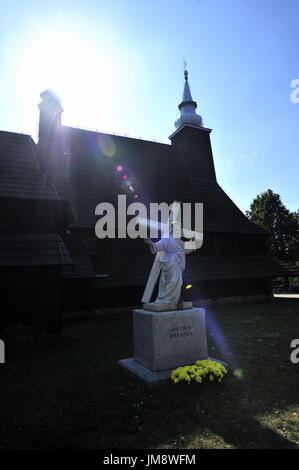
point(69, 392)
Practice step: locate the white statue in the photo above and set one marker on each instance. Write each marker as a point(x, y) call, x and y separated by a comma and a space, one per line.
point(170, 261)
point(172, 267)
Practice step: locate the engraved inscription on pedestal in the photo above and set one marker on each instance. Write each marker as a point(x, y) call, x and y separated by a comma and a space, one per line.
point(180, 331)
point(164, 340)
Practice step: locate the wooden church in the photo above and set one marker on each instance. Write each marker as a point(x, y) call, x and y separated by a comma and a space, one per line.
point(50, 258)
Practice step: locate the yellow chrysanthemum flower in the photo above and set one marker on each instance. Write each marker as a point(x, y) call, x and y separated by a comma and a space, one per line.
point(198, 371)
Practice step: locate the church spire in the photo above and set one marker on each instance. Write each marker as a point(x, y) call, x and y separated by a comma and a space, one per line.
point(187, 108)
point(187, 93)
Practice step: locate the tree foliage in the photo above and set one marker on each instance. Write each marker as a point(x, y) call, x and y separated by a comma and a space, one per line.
point(268, 211)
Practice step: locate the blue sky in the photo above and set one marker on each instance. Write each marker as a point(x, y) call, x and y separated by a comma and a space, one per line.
point(118, 66)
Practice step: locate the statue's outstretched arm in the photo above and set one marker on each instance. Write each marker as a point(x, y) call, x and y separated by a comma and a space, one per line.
point(151, 245)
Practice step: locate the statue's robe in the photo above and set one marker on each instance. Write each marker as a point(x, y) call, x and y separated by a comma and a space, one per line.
point(173, 264)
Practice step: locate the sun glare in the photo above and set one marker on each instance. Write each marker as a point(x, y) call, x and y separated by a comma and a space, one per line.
point(80, 74)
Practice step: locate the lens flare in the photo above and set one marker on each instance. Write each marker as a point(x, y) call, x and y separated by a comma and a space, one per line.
point(188, 286)
point(217, 334)
point(238, 373)
point(107, 145)
point(119, 168)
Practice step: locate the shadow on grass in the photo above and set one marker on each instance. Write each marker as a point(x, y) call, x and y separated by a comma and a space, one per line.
point(71, 393)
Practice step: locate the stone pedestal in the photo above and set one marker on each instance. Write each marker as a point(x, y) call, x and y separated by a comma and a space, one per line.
point(164, 341)
point(154, 307)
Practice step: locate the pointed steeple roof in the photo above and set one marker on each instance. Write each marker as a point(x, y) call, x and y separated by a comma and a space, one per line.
point(187, 93)
point(187, 108)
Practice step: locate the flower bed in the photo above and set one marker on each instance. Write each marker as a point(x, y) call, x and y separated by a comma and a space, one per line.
point(200, 371)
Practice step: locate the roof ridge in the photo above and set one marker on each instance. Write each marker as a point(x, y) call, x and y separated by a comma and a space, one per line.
point(113, 134)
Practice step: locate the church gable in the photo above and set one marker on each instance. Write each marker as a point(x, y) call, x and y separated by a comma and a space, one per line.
point(88, 176)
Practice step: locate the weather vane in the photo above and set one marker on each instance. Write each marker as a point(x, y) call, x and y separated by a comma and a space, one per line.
point(185, 69)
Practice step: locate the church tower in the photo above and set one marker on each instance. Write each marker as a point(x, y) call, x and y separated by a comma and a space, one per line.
point(49, 133)
point(192, 139)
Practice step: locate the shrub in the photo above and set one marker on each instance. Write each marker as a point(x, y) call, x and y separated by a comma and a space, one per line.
point(18, 336)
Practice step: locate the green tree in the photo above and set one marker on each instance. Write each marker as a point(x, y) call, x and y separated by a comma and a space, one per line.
point(268, 211)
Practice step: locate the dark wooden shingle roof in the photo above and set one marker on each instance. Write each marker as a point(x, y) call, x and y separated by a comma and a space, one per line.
point(233, 267)
point(86, 176)
point(20, 176)
point(30, 209)
point(82, 265)
point(133, 270)
point(29, 249)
